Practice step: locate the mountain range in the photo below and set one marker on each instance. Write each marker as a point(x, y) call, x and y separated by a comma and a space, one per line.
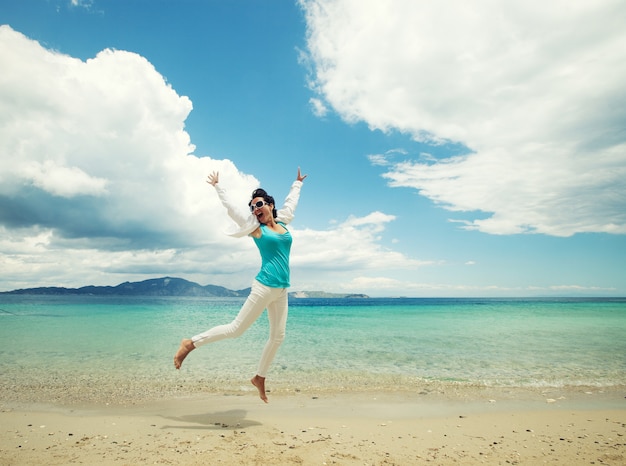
point(165, 286)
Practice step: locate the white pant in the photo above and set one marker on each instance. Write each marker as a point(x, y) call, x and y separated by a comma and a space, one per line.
point(261, 297)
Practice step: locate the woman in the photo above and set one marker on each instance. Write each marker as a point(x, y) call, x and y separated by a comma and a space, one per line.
point(267, 227)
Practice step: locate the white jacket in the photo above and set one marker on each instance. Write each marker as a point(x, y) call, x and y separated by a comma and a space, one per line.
point(246, 224)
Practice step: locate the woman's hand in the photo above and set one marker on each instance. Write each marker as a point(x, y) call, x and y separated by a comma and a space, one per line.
point(214, 178)
point(301, 177)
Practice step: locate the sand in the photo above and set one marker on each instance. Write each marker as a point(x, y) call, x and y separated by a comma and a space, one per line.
point(579, 427)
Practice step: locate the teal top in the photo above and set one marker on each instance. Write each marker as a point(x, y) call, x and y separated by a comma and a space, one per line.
point(274, 248)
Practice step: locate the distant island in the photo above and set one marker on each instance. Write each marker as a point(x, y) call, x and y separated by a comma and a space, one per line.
point(166, 286)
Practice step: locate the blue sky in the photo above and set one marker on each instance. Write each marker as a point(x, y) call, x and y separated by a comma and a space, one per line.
point(453, 148)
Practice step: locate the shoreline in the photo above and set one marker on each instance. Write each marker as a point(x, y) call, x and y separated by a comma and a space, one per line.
point(346, 428)
point(91, 390)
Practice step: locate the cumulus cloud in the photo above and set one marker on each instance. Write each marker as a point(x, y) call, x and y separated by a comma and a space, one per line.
point(383, 285)
point(318, 107)
point(61, 181)
point(93, 146)
point(329, 260)
point(349, 245)
point(97, 173)
point(532, 90)
point(99, 183)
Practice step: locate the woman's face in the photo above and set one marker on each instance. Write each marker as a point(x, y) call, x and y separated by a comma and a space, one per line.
point(262, 210)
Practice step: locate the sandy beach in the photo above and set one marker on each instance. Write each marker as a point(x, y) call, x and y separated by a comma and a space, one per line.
point(496, 426)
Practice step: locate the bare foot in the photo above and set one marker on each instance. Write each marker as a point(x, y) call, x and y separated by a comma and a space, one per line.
point(186, 347)
point(259, 383)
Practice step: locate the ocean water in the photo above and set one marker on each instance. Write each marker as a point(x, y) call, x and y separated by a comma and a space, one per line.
point(86, 348)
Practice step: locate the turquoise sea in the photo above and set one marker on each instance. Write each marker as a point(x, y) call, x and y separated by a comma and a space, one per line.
point(90, 348)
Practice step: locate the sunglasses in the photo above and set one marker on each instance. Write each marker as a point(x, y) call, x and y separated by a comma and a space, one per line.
point(257, 205)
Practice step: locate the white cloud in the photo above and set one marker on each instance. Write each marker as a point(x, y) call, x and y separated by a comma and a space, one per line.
point(378, 159)
point(329, 260)
point(97, 176)
point(61, 181)
point(375, 220)
point(97, 149)
point(318, 107)
point(349, 245)
point(99, 184)
point(533, 89)
point(386, 286)
point(87, 4)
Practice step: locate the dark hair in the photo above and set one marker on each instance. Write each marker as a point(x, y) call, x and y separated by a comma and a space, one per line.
point(266, 197)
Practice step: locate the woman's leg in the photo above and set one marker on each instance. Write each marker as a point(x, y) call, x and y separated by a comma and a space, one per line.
point(257, 301)
point(277, 314)
point(260, 296)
